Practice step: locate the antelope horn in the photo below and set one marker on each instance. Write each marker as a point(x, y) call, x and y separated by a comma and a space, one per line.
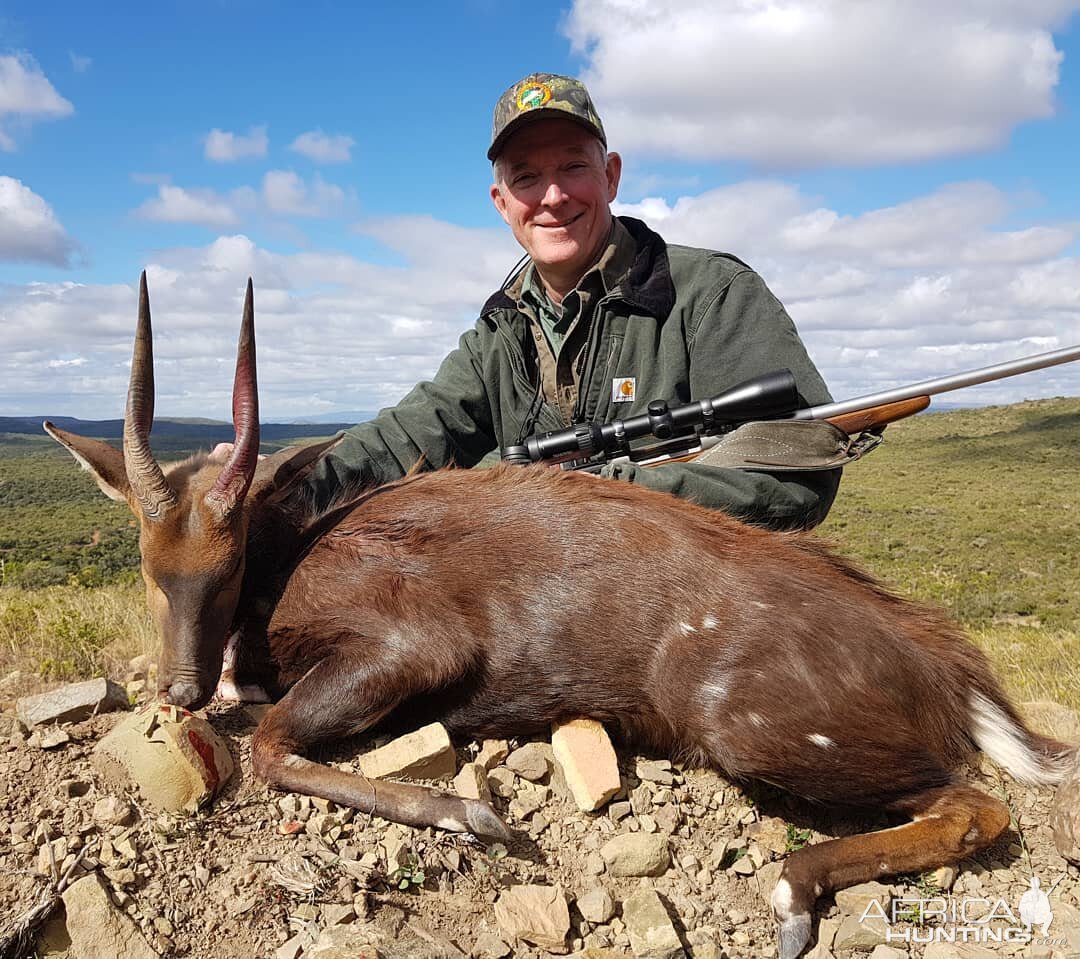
point(232, 485)
point(144, 474)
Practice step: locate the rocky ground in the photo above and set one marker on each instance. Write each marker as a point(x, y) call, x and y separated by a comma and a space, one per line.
point(266, 874)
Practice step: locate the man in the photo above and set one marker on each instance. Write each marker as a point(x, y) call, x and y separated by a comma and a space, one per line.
point(602, 319)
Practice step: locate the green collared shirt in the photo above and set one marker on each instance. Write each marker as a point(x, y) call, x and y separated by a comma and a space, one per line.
point(561, 330)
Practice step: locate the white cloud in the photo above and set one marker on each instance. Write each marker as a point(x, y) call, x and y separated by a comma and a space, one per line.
point(26, 95)
point(323, 148)
point(793, 83)
point(225, 147)
point(80, 64)
point(29, 230)
point(925, 288)
point(336, 331)
point(175, 204)
point(284, 191)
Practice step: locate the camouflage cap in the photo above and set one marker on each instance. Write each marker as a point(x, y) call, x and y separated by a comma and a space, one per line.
point(538, 96)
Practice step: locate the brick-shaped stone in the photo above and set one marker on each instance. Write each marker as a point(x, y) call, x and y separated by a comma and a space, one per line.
point(424, 754)
point(472, 782)
point(588, 762)
point(652, 935)
point(72, 703)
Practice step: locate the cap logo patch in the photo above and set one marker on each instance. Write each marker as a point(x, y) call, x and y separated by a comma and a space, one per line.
point(533, 95)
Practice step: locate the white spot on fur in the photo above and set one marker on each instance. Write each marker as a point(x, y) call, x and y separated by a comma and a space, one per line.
point(709, 622)
point(232, 647)
point(760, 605)
point(781, 899)
point(686, 629)
point(823, 741)
point(756, 719)
point(713, 693)
point(1005, 743)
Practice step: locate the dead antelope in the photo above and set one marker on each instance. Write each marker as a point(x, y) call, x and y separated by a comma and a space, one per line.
point(505, 600)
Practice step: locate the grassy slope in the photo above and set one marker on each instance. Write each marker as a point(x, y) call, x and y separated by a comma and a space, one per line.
point(976, 510)
point(979, 511)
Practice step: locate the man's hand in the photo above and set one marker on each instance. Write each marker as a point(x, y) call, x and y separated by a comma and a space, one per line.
point(221, 452)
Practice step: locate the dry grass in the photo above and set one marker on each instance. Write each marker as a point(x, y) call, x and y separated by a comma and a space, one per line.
point(72, 632)
point(1034, 663)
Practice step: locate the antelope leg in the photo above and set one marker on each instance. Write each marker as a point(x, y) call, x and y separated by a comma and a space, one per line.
point(340, 697)
point(949, 823)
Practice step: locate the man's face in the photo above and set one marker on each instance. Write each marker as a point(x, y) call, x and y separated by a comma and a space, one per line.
point(554, 184)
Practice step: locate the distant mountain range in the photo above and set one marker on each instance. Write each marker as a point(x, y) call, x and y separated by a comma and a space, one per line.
point(203, 431)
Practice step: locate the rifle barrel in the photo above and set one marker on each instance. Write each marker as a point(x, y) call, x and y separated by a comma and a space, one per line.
point(943, 384)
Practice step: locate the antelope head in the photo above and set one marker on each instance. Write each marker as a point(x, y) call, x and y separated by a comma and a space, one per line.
point(193, 516)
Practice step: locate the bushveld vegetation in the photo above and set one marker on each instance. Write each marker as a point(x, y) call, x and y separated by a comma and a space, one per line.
point(975, 510)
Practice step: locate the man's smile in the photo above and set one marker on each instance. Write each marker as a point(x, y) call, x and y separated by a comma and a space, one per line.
point(561, 225)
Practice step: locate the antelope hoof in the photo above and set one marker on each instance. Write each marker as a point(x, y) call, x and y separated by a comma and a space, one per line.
point(794, 935)
point(484, 821)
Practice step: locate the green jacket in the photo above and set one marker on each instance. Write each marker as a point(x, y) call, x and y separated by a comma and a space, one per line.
point(685, 323)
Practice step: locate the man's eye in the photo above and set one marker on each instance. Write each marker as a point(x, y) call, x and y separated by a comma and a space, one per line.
point(522, 179)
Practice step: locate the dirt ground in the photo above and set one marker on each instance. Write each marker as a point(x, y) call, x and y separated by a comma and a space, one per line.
point(260, 867)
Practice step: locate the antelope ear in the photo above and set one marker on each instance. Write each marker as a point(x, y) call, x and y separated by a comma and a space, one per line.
point(102, 461)
point(281, 471)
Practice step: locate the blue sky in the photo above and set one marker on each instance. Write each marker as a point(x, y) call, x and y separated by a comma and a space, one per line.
point(901, 174)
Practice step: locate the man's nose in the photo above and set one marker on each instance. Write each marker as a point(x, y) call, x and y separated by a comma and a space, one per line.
point(554, 194)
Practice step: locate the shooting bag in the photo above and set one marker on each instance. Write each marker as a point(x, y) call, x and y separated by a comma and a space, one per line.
point(788, 446)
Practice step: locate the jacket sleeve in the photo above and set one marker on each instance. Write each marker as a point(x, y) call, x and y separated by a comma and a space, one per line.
point(745, 331)
point(444, 420)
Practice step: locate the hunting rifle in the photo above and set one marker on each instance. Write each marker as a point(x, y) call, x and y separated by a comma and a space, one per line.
point(686, 431)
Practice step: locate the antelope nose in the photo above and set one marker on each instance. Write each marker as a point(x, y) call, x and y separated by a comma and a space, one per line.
point(184, 693)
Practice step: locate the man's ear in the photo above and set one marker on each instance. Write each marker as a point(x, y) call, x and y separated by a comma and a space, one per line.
point(102, 461)
point(614, 173)
point(499, 200)
point(281, 471)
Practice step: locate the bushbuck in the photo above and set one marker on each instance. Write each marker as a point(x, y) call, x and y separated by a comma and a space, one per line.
point(505, 600)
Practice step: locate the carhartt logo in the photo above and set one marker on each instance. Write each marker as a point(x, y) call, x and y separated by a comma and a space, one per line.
point(623, 389)
point(533, 95)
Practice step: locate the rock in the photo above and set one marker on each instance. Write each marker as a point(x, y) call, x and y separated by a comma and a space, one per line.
point(1065, 816)
point(588, 762)
point(536, 914)
point(533, 761)
point(492, 752)
point(654, 771)
point(99, 929)
point(177, 760)
point(472, 782)
point(855, 899)
point(424, 754)
point(770, 832)
point(866, 934)
point(489, 946)
point(501, 782)
point(113, 811)
point(636, 854)
point(944, 876)
point(72, 703)
point(51, 738)
point(347, 942)
point(596, 905)
point(887, 952)
point(652, 936)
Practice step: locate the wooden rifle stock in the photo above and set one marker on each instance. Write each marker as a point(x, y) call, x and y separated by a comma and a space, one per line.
point(875, 417)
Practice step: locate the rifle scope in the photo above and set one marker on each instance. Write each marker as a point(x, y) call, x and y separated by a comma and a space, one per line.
point(769, 396)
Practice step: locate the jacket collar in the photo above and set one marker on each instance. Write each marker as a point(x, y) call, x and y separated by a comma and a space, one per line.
point(646, 284)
